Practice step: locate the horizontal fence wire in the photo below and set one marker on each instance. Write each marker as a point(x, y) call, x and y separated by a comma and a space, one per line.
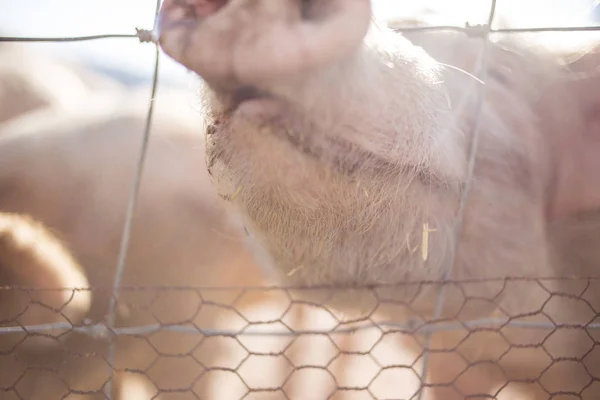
point(414, 325)
point(472, 30)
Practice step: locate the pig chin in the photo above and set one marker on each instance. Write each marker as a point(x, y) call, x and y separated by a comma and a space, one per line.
point(307, 202)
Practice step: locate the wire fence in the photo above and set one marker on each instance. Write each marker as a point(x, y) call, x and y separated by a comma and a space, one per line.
point(278, 342)
point(280, 333)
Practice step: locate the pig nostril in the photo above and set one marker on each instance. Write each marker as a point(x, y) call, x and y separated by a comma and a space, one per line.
point(199, 8)
point(305, 8)
point(207, 7)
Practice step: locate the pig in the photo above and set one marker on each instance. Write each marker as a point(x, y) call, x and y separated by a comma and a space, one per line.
point(89, 156)
point(357, 157)
point(24, 89)
point(53, 286)
point(74, 171)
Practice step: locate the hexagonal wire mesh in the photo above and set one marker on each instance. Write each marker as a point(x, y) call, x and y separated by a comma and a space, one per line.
point(274, 353)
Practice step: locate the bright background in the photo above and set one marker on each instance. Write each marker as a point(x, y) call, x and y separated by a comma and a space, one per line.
point(129, 60)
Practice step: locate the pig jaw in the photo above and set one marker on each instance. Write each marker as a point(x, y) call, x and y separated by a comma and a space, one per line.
point(323, 201)
point(310, 224)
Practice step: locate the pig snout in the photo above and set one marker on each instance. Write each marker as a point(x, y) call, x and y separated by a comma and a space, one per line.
point(232, 43)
